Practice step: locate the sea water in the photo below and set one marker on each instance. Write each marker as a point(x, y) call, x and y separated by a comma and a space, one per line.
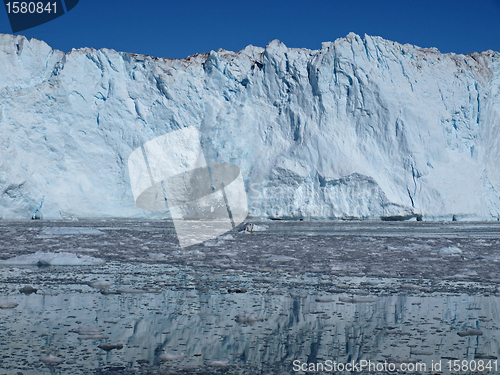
point(296, 297)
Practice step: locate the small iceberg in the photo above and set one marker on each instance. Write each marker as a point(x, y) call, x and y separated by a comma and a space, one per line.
point(251, 227)
point(172, 356)
point(100, 284)
point(213, 243)
point(28, 289)
point(108, 347)
point(216, 363)
point(51, 360)
point(470, 332)
point(53, 259)
point(421, 352)
point(8, 305)
point(451, 250)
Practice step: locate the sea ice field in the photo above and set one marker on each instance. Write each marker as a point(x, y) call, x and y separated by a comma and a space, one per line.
point(122, 297)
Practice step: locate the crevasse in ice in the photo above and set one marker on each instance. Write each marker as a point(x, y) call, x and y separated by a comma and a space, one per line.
point(361, 128)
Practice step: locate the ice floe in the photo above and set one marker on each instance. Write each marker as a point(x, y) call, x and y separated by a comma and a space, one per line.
point(56, 231)
point(51, 359)
point(108, 347)
point(251, 227)
point(451, 250)
point(470, 332)
point(172, 356)
point(53, 259)
point(217, 363)
point(28, 289)
point(8, 305)
point(298, 295)
point(100, 284)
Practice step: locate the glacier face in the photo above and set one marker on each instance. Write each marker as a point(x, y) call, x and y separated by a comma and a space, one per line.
point(362, 128)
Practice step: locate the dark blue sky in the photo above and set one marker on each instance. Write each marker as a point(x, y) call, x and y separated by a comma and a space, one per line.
point(176, 29)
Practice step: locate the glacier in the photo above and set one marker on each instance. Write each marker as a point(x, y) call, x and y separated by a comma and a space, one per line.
point(363, 128)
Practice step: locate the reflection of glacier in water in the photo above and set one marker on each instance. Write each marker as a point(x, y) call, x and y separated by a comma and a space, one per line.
point(249, 303)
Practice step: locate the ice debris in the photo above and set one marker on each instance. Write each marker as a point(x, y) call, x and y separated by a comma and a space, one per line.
point(470, 332)
point(251, 227)
point(280, 258)
point(172, 356)
point(8, 305)
point(51, 360)
point(451, 250)
point(28, 289)
point(324, 299)
point(53, 259)
point(100, 284)
point(358, 299)
point(56, 231)
point(108, 347)
point(216, 363)
point(421, 352)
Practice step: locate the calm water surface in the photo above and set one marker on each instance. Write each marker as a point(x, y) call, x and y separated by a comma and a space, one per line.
point(251, 303)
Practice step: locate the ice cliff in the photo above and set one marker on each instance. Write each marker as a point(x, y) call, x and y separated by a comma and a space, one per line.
point(361, 128)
